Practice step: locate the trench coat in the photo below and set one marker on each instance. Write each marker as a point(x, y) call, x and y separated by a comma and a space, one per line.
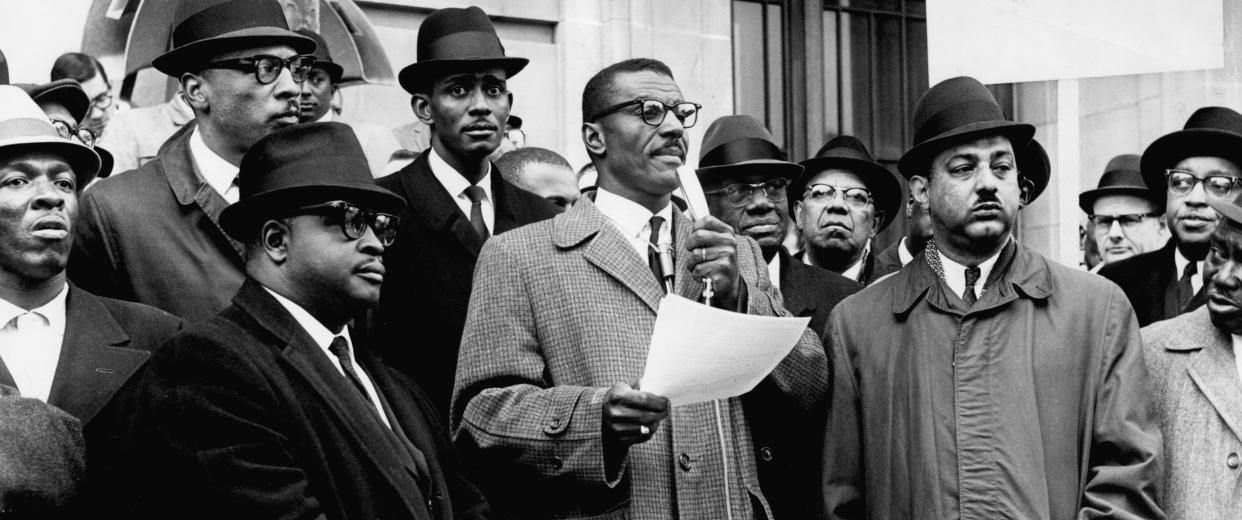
point(1198, 399)
point(1032, 404)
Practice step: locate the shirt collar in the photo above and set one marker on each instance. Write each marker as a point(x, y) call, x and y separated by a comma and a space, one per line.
point(327, 117)
point(318, 332)
point(630, 217)
point(855, 270)
point(955, 273)
point(218, 172)
point(903, 252)
point(774, 271)
point(53, 311)
point(453, 181)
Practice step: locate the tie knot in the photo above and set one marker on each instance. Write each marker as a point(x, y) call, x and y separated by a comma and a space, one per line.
point(656, 222)
point(972, 276)
point(339, 347)
point(475, 193)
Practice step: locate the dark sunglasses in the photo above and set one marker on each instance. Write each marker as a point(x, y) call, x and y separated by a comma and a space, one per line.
point(354, 220)
point(267, 68)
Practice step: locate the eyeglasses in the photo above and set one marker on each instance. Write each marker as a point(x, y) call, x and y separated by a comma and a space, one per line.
point(355, 220)
point(103, 100)
point(1218, 186)
point(740, 194)
point(654, 111)
point(67, 131)
point(1129, 221)
point(856, 197)
point(267, 68)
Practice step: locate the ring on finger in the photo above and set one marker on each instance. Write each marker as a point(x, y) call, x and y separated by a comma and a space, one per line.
point(702, 254)
point(643, 429)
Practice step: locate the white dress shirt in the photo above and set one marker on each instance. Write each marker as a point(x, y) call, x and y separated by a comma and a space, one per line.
point(220, 174)
point(1237, 353)
point(1196, 281)
point(854, 270)
point(634, 221)
point(903, 252)
point(774, 271)
point(323, 338)
point(955, 274)
point(30, 343)
point(456, 185)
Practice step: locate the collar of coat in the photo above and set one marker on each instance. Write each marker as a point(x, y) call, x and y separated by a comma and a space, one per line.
point(1019, 272)
point(1198, 332)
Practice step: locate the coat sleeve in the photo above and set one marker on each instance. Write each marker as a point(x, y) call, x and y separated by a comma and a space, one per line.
point(842, 490)
point(1124, 476)
point(92, 262)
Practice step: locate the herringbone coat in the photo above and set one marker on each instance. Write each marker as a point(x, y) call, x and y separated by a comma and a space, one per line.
point(562, 310)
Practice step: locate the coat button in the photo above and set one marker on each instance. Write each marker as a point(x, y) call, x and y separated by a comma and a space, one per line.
point(554, 423)
point(1232, 461)
point(684, 461)
point(557, 463)
point(765, 453)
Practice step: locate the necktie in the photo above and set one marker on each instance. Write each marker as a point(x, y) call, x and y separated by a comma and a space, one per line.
point(476, 195)
point(653, 251)
point(972, 277)
point(1185, 288)
point(340, 349)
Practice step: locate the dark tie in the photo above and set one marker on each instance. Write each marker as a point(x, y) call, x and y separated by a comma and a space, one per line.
point(476, 196)
point(972, 277)
point(340, 349)
point(1185, 289)
point(653, 251)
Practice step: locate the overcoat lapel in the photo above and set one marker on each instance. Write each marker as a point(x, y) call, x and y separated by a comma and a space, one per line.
point(431, 204)
point(505, 199)
point(1214, 371)
point(95, 360)
point(794, 286)
point(191, 188)
point(604, 247)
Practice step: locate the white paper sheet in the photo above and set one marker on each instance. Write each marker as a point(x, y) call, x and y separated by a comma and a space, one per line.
point(700, 353)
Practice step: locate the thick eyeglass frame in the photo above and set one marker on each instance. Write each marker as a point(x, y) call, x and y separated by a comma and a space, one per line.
point(1128, 221)
point(103, 100)
point(854, 197)
point(685, 111)
point(1218, 186)
point(84, 135)
point(740, 194)
point(299, 66)
point(355, 220)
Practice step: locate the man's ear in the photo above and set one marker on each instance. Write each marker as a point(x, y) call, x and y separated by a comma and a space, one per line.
point(1027, 188)
point(196, 91)
point(918, 190)
point(274, 237)
point(910, 202)
point(875, 222)
point(593, 138)
point(421, 103)
point(797, 215)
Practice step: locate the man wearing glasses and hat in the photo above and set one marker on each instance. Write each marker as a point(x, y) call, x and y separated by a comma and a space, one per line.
point(1184, 171)
point(66, 105)
point(275, 407)
point(1124, 218)
point(983, 380)
point(457, 197)
point(153, 235)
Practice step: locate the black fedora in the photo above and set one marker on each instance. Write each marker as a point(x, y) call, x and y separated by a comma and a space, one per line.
point(740, 144)
point(1121, 177)
point(453, 39)
point(69, 94)
point(955, 111)
point(323, 56)
point(227, 26)
point(299, 166)
point(1210, 132)
point(846, 152)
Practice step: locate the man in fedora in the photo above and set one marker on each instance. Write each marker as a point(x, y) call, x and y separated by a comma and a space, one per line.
point(983, 380)
point(457, 198)
point(1183, 170)
point(745, 177)
point(58, 343)
point(842, 199)
point(322, 84)
point(153, 235)
point(918, 222)
point(276, 407)
point(1123, 216)
point(66, 105)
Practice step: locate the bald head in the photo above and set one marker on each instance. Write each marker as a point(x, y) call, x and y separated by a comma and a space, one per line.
point(542, 172)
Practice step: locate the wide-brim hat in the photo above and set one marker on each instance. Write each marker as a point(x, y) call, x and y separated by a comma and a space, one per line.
point(453, 40)
point(956, 111)
point(1210, 132)
point(224, 27)
point(23, 125)
point(1122, 176)
point(1230, 209)
point(323, 55)
point(846, 152)
point(69, 94)
point(735, 145)
point(1034, 165)
point(299, 166)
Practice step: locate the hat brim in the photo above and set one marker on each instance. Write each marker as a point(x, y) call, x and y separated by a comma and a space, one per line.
point(1227, 209)
point(1086, 199)
point(106, 161)
point(84, 161)
point(241, 219)
point(334, 71)
point(415, 73)
point(67, 93)
point(884, 185)
point(917, 160)
point(1167, 151)
point(189, 57)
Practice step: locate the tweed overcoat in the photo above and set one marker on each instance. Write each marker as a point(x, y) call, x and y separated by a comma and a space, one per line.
point(1198, 399)
point(562, 310)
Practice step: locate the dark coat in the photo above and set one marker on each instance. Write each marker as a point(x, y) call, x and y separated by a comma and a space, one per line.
point(244, 416)
point(889, 260)
point(152, 236)
point(872, 269)
point(430, 269)
point(1032, 404)
point(1146, 279)
point(788, 438)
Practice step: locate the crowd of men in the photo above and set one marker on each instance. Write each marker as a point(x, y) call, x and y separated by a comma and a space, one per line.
point(218, 310)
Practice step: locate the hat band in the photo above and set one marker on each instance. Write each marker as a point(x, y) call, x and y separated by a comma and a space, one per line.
point(26, 127)
point(959, 114)
point(734, 152)
point(464, 45)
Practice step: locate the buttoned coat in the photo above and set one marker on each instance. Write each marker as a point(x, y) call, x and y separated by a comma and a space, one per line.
point(153, 236)
point(430, 268)
point(1198, 401)
point(244, 416)
point(562, 310)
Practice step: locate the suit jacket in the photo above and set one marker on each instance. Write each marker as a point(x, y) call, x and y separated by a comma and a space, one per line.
point(1198, 401)
point(562, 310)
point(872, 269)
point(1145, 279)
point(153, 236)
point(243, 415)
point(430, 269)
point(889, 260)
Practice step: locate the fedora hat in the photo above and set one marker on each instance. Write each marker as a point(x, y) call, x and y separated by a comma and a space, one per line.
point(735, 145)
point(1122, 176)
point(23, 125)
point(457, 39)
point(1034, 165)
point(69, 94)
point(1210, 132)
point(952, 112)
point(846, 152)
point(299, 166)
point(323, 56)
point(224, 27)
